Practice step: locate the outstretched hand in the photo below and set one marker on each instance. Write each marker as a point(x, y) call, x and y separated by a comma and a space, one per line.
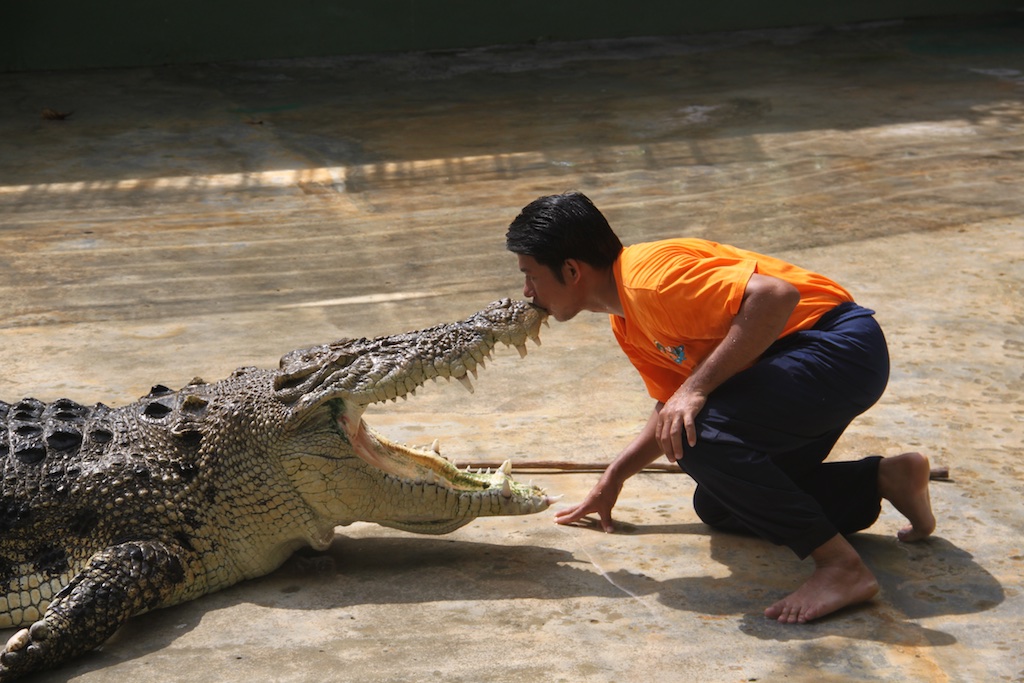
point(601, 500)
point(641, 452)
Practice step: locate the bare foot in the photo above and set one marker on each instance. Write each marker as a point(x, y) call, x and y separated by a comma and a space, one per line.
point(840, 579)
point(903, 481)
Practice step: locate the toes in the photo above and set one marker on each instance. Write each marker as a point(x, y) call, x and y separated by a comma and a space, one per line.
point(784, 613)
point(795, 616)
point(775, 611)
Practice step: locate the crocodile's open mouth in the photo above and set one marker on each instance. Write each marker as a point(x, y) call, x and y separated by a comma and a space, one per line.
point(421, 466)
point(427, 473)
point(458, 495)
point(361, 372)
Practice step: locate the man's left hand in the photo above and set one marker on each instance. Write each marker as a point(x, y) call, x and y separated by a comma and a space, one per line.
point(677, 418)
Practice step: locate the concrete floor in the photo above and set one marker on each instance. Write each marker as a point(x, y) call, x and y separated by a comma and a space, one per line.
point(185, 221)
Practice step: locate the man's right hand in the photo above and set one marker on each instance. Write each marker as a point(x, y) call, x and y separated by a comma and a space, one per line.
point(601, 500)
point(642, 451)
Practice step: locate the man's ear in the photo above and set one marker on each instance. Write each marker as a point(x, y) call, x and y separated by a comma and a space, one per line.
point(571, 270)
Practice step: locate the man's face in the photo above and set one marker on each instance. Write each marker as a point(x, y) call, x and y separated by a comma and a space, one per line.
point(543, 287)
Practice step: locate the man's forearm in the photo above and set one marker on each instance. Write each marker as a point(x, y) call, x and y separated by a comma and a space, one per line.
point(761, 319)
point(640, 453)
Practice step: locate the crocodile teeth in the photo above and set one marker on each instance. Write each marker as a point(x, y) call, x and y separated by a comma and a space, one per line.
point(501, 477)
point(521, 348)
point(466, 382)
point(436, 446)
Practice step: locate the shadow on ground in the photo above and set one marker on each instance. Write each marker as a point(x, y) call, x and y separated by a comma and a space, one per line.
point(930, 579)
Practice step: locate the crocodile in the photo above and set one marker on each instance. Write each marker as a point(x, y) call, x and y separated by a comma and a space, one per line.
point(106, 513)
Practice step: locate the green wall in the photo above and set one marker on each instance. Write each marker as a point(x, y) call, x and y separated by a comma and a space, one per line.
point(62, 34)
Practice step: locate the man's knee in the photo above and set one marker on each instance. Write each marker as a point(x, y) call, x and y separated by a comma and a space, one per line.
point(715, 515)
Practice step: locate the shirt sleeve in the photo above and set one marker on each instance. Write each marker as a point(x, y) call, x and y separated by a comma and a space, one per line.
point(699, 299)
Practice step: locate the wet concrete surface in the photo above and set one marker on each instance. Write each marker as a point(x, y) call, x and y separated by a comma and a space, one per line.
point(186, 221)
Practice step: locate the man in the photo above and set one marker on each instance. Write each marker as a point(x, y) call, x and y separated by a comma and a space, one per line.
point(757, 367)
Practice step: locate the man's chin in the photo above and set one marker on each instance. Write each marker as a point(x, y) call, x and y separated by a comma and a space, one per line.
point(562, 317)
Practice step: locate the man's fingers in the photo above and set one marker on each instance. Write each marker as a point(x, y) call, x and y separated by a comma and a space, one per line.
point(691, 434)
point(673, 440)
point(670, 438)
point(575, 514)
point(568, 516)
point(607, 524)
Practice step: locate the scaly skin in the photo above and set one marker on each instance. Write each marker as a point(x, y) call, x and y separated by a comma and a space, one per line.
point(108, 513)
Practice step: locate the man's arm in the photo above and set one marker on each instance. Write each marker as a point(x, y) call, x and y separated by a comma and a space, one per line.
point(642, 451)
point(767, 305)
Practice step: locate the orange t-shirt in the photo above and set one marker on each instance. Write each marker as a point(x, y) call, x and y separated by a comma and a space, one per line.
point(679, 297)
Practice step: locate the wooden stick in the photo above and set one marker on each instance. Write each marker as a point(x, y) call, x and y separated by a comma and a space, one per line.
point(566, 467)
point(563, 466)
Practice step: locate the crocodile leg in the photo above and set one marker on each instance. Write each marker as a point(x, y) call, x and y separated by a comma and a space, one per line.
point(118, 583)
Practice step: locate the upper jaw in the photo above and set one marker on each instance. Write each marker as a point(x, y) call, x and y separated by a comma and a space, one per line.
point(363, 371)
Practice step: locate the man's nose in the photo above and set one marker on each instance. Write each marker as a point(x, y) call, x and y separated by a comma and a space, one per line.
point(528, 290)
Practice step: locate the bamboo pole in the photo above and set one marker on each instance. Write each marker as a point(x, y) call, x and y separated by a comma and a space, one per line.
point(568, 467)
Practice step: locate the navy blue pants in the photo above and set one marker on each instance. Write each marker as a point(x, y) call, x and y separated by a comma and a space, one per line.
point(763, 435)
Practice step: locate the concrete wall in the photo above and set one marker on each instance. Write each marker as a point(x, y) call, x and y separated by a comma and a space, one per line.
point(62, 34)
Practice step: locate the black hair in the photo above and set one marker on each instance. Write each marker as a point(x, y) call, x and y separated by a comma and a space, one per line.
point(557, 227)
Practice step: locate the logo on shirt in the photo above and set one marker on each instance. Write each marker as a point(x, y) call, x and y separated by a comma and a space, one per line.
point(678, 353)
